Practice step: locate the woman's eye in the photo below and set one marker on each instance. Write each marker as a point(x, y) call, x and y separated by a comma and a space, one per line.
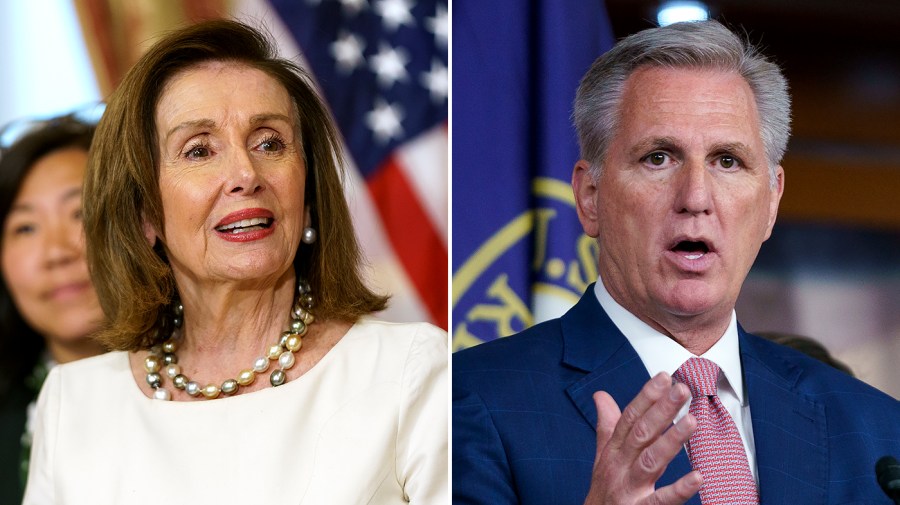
point(197, 152)
point(272, 144)
point(23, 229)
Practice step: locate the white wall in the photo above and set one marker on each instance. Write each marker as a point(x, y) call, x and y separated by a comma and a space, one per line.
point(44, 65)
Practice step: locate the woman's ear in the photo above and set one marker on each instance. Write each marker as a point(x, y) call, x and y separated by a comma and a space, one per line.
point(149, 231)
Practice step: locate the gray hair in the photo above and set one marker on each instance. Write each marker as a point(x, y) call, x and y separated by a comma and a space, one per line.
point(704, 44)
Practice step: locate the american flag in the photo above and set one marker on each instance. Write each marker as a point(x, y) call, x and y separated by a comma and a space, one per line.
point(382, 67)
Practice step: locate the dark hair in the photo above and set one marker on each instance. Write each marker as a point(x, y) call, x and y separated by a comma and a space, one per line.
point(134, 282)
point(21, 345)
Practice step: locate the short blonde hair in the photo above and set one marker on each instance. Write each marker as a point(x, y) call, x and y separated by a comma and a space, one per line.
point(133, 280)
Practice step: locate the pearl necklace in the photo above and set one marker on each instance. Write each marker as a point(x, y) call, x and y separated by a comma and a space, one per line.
point(162, 360)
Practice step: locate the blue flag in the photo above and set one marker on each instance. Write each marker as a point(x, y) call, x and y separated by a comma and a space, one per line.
point(519, 253)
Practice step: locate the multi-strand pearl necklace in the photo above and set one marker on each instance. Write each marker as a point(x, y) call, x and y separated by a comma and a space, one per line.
point(162, 360)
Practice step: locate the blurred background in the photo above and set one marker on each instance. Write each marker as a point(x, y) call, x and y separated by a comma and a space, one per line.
point(63, 55)
point(831, 270)
point(46, 67)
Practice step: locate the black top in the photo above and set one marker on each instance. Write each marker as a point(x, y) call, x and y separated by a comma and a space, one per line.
point(13, 413)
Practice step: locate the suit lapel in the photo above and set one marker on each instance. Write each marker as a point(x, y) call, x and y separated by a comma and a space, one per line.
point(789, 430)
point(595, 346)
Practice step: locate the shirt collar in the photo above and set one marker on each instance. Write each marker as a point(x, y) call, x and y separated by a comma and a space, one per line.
point(659, 353)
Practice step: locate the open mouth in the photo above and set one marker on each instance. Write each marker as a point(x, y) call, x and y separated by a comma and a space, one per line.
point(246, 225)
point(691, 249)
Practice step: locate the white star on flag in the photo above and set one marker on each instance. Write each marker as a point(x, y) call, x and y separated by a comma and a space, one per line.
point(395, 13)
point(389, 65)
point(438, 26)
point(436, 81)
point(348, 52)
point(384, 121)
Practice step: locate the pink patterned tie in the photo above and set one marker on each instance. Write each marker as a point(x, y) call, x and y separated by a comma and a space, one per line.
point(715, 449)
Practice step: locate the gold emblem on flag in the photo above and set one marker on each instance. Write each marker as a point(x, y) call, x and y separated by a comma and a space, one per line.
point(499, 311)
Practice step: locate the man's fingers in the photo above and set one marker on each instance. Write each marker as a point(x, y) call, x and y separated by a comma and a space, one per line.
point(655, 389)
point(653, 460)
point(678, 492)
point(634, 446)
point(657, 418)
point(607, 416)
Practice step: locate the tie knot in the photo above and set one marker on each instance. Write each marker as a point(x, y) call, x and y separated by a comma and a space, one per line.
point(699, 375)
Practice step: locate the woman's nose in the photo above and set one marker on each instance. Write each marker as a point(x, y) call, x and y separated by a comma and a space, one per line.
point(63, 244)
point(244, 177)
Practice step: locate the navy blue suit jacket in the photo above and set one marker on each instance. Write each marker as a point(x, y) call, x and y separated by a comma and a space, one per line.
point(524, 418)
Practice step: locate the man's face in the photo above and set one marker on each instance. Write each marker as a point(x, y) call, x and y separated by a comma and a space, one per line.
point(684, 199)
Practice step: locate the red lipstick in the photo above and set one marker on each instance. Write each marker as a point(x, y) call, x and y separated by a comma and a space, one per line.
point(246, 225)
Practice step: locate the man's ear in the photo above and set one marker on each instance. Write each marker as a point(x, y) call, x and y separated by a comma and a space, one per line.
point(586, 188)
point(775, 199)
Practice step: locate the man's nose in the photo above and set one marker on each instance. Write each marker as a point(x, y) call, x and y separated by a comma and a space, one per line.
point(694, 186)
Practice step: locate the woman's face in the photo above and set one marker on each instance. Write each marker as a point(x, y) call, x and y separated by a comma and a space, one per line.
point(231, 175)
point(43, 249)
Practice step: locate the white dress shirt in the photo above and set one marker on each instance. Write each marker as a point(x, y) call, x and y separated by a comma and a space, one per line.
point(659, 353)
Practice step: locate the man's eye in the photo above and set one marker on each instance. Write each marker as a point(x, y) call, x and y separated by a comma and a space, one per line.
point(729, 162)
point(657, 159)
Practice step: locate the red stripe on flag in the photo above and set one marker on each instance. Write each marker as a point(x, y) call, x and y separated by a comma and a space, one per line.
point(415, 241)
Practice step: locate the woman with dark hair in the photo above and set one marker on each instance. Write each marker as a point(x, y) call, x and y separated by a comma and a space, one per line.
point(216, 226)
point(48, 306)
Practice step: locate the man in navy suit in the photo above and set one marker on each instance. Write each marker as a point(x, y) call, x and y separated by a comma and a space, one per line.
point(682, 131)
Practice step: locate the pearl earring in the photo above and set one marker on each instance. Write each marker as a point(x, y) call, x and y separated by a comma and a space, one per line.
point(309, 235)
